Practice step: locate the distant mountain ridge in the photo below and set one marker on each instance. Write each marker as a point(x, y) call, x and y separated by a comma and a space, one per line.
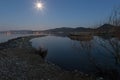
point(103, 28)
point(67, 29)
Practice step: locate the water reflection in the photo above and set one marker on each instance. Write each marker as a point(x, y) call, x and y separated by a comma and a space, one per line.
point(81, 38)
point(110, 45)
point(88, 54)
point(86, 44)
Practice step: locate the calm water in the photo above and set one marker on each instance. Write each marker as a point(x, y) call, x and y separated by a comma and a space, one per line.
point(83, 55)
point(87, 55)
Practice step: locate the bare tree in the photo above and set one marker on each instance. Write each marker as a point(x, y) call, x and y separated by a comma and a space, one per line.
point(114, 19)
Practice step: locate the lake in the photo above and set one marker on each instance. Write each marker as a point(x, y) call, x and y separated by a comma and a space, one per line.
point(86, 55)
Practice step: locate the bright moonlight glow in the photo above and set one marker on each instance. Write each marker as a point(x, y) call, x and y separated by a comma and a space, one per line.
point(39, 5)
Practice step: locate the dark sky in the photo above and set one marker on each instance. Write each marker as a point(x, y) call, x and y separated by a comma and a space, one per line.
point(22, 14)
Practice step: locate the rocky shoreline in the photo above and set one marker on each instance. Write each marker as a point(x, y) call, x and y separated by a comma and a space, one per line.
point(19, 61)
point(19, 42)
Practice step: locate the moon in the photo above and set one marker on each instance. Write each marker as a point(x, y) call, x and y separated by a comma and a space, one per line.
point(39, 5)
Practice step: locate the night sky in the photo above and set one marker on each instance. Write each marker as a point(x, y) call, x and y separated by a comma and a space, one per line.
point(22, 14)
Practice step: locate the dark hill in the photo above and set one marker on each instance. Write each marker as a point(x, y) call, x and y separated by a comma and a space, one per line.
point(106, 26)
point(65, 29)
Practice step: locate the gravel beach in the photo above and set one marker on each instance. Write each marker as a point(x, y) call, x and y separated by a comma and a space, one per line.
point(19, 61)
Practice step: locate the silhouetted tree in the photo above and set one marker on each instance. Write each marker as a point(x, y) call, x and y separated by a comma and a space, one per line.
point(114, 19)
